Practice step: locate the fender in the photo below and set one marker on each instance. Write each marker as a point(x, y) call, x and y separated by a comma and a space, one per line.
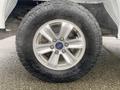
point(6, 7)
point(113, 8)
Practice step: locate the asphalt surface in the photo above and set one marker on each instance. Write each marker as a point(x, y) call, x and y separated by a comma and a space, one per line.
point(104, 76)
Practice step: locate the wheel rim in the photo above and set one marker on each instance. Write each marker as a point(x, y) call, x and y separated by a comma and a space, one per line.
point(59, 44)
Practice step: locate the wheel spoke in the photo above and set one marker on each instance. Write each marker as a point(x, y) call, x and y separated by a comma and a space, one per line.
point(48, 33)
point(76, 43)
point(43, 48)
point(54, 59)
point(66, 28)
point(68, 56)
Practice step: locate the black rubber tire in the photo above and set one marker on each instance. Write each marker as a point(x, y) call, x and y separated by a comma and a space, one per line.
point(58, 9)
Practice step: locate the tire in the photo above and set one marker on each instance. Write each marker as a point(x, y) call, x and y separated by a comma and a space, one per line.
point(64, 10)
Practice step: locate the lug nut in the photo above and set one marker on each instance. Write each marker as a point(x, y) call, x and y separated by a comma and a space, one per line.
point(54, 40)
point(56, 52)
point(66, 44)
point(52, 47)
point(62, 39)
point(63, 50)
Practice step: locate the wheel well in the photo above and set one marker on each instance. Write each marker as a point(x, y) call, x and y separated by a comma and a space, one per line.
point(105, 21)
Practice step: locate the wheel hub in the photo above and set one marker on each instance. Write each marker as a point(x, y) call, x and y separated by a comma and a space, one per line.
point(59, 45)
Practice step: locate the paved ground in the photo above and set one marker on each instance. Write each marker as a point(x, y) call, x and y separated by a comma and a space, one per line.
point(104, 76)
point(13, 76)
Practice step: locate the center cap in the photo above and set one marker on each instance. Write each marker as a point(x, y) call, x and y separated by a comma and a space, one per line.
point(59, 45)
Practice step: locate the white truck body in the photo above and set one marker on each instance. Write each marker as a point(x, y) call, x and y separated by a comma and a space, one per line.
point(112, 7)
point(6, 7)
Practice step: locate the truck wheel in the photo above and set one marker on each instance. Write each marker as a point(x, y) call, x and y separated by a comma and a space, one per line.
point(59, 41)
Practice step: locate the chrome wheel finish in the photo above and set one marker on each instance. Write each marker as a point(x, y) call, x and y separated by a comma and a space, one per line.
point(59, 44)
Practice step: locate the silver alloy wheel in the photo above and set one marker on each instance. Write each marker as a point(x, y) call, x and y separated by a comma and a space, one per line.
point(59, 44)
